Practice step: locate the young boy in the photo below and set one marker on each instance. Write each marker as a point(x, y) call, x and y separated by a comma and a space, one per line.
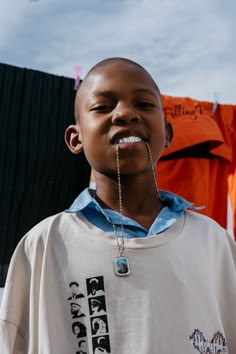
point(165, 275)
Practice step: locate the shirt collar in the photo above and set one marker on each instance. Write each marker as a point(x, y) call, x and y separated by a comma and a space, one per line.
point(173, 201)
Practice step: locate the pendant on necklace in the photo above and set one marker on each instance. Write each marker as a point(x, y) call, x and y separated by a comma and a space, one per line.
point(122, 267)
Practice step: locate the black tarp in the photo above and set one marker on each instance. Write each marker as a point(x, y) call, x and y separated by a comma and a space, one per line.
point(39, 176)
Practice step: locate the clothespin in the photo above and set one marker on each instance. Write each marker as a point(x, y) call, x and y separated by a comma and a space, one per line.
point(77, 72)
point(215, 101)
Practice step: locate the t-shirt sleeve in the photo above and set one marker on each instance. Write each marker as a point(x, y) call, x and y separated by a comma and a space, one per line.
point(14, 313)
point(11, 341)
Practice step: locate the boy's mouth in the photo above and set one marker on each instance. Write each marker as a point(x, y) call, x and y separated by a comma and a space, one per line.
point(128, 140)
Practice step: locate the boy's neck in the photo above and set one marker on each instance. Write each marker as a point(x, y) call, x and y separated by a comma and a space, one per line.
point(140, 201)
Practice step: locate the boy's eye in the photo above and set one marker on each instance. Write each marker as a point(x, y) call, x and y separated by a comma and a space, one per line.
point(102, 108)
point(145, 104)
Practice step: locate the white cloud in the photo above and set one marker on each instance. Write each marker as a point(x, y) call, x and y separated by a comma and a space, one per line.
point(11, 14)
point(187, 46)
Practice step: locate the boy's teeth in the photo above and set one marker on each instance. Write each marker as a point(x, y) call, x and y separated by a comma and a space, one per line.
point(129, 139)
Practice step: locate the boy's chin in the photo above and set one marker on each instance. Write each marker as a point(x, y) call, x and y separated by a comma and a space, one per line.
point(129, 171)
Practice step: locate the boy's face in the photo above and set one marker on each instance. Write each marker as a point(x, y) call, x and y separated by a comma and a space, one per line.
point(117, 101)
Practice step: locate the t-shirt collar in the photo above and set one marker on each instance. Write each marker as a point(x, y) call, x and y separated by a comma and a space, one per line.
point(86, 199)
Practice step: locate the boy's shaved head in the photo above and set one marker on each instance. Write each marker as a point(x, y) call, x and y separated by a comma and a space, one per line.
point(99, 66)
point(113, 60)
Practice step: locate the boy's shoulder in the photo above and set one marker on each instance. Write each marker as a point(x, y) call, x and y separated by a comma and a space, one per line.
point(202, 226)
point(52, 227)
point(194, 217)
point(42, 226)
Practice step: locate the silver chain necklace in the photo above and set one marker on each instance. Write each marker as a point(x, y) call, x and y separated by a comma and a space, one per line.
point(122, 265)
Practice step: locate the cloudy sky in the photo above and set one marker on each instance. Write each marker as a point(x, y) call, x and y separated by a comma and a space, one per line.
point(189, 46)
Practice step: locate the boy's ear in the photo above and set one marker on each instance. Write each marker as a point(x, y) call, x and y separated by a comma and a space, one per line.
point(73, 140)
point(169, 133)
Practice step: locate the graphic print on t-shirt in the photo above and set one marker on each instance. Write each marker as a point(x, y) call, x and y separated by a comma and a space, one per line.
point(97, 306)
point(89, 316)
point(217, 345)
point(75, 291)
point(79, 329)
point(101, 345)
point(75, 309)
point(95, 286)
point(77, 305)
point(98, 315)
point(99, 325)
point(83, 347)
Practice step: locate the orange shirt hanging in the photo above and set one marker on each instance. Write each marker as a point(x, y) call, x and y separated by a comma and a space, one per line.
point(196, 164)
point(232, 168)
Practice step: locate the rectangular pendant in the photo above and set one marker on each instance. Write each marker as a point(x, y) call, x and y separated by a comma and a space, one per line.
point(122, 267)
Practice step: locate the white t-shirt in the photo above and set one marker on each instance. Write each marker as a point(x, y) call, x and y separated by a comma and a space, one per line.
point(179, 298)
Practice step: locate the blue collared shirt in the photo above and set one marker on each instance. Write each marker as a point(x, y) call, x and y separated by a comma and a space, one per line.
point(174, 207)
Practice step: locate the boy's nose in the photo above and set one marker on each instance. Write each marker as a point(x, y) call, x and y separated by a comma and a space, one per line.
point(125, 116)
